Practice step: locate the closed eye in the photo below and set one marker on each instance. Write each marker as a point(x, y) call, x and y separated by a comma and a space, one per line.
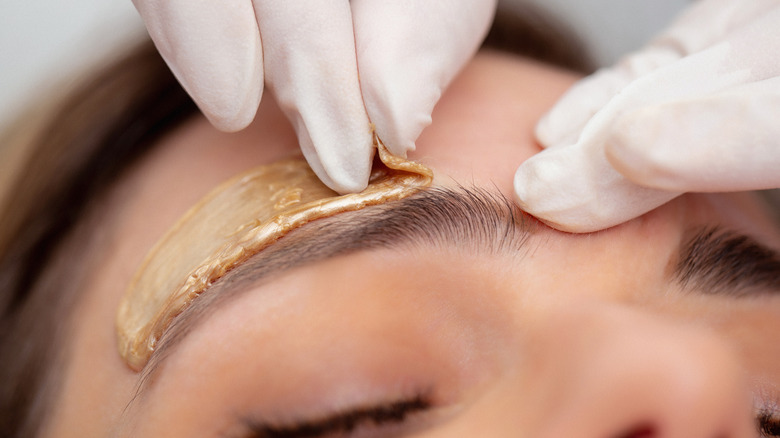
point(343, 423)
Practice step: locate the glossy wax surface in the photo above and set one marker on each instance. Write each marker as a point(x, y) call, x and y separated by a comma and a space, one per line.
point(232, 223)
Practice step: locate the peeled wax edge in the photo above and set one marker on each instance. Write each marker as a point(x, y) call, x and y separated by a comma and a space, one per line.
point(196, 251)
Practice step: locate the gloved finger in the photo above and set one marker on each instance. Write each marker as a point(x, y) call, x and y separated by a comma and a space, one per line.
point(704, 24)
point(666, 113)
point(575, 189)
point(310, 65)
point(728, 141)
point(214, 50)
point(564, 122)
point(408, 52)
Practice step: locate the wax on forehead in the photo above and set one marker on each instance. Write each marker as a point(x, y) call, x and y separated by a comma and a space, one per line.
point(235, 221)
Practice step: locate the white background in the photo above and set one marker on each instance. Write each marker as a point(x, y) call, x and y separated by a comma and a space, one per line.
point(42, 41)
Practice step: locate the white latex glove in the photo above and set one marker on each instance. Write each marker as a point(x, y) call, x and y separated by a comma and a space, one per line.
point(406, 52)
point(698, 110)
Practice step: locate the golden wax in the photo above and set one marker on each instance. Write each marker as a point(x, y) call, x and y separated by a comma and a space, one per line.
point(234, 222)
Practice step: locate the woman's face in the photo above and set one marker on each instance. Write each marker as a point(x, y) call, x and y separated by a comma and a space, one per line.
point(632, 331)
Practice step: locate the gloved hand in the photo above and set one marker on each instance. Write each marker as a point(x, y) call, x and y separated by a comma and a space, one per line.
point(406, 52)
point(698, 110)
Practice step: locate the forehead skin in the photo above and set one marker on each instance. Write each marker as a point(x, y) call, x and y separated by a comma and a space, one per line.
point(482, 131)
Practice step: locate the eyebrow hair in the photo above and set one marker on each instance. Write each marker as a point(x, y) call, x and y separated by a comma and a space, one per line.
point(716, 261)
point(473, 219)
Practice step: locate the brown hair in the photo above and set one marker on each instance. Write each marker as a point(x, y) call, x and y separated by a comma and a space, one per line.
point(95, 133)
point(55, 170)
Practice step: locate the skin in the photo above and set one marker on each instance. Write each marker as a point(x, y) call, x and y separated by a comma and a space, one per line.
point(584, 335)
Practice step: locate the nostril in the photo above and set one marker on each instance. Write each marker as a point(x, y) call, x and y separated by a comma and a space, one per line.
point(642, 431)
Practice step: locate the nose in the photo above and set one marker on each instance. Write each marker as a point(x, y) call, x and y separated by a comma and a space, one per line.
point(603, 371)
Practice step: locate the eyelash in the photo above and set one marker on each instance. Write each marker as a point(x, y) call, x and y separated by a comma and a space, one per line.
point(345, 423)
point(768, 423)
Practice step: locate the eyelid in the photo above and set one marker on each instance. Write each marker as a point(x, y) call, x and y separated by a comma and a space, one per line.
point(346, 421)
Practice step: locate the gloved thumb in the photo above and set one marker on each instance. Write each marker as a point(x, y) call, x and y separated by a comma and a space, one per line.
point(574, 188)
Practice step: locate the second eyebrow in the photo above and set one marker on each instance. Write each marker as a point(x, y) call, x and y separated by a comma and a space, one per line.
point(724, 262)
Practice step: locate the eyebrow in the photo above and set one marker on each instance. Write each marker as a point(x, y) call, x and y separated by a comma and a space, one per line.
point(716, 261)
point(473, 219)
